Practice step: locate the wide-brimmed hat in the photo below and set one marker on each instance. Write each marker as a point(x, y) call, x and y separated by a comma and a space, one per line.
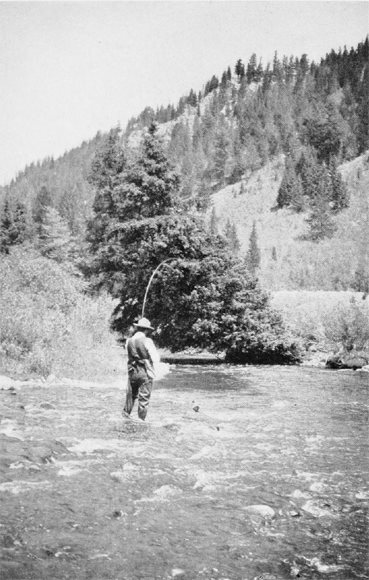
point(144, 323)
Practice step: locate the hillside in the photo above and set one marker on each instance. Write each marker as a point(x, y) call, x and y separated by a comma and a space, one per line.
point(233, 145)
point(295, 263)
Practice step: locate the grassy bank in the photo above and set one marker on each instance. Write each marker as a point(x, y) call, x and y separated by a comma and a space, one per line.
point(49, 325)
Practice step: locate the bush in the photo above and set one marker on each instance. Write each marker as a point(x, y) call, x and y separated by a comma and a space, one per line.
point(263, 339)
point(347, 326)
point(48, 324)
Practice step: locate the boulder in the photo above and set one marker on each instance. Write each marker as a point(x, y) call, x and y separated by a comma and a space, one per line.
point(6, 383)
point(346, 361)
point(261, 511)
point(47, 405)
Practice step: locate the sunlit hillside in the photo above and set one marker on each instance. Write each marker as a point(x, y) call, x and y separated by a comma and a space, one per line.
point(287, 261)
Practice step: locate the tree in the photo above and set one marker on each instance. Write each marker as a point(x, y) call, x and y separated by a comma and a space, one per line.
point(200, 295)
point(6, 230)
point(253, 254)
point(321, 224)
point(230, 234)
point(54, 237)
point(290, 193)
point(42, 201)
point(251, 69)
point(13, 226)
point(213, 222)
point(239, 69)
point(325, 133)
point(340, 196)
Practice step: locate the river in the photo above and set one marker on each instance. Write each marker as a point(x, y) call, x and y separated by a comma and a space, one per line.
point(240, 473)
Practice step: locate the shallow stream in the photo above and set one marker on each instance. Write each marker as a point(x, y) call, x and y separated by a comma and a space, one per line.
point(240, 473)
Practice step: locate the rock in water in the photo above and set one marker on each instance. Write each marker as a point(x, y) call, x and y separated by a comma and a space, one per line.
point(261, 511)
point(348, 361)
point(6, 383)
point(178, 573)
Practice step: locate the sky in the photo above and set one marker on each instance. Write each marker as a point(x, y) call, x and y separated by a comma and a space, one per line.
point(70, 69)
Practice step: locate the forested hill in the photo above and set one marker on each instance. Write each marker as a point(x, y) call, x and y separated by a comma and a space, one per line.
point(302, 118)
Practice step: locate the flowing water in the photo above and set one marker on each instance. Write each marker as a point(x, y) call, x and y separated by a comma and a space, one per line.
point(240, 473)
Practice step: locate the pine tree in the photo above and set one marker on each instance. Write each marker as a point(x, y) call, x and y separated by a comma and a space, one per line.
point(199, 296)
point(251, 69)
point(54, 237)
point(213, 222)
point(6, 228)
point(239, 69)
point(253, 255)
point(42, 202)
point(321, 224)
point(235, 242)
point(290, 193)
point(230, 234)
point(221, 155)
point(13, 226)
point(340, 195)
point(20, 223)
point(298, 199)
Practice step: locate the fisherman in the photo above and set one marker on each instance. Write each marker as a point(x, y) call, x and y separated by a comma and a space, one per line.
point(142, 359)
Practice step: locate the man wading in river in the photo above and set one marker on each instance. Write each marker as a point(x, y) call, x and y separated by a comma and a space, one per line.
point(142, 358)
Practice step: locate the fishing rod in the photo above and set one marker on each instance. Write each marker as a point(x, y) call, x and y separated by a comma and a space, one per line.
point(164, 262)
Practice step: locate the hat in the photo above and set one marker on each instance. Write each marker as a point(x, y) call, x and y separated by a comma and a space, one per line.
point(144, 323)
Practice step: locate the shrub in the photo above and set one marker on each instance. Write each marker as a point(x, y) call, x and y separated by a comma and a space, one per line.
point(347, 325)
point(48, 324)
point(263, 339)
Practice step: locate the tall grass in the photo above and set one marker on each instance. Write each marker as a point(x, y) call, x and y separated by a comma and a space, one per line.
point(48, 323)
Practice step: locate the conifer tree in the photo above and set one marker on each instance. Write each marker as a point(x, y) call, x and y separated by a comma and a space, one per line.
point(290, 193)
point(239, 69)
point(340, 195)
point(321, 224)
point(253, 256)
point(6, 228)
point(42, 202)
point(13, 226)
point(230, 233)
point(20, 223)
point(213, 222)
point(54, 237)
point(201, 296)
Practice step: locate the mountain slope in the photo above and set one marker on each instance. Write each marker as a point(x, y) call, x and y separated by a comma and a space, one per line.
point(295, 263)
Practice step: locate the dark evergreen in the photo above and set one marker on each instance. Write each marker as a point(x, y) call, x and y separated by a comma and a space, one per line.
point(200, 296)
point(253, 255)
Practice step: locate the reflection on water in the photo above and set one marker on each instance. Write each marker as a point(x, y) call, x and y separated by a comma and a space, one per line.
point(240, 473)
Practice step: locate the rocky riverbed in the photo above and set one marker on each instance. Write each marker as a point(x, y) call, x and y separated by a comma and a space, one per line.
point(239, 474)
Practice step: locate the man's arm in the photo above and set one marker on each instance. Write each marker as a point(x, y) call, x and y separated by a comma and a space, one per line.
point(154, 357)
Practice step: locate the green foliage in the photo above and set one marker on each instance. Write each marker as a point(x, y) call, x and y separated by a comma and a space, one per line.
point(291, 193)
point(348, 325)
point(13, 226)
point(339, 196)
point(230, 234)
point(321, 224)
point(48, 325)
point(200, 296)
point(253, 255)
point(54, 236)
point(42, 202)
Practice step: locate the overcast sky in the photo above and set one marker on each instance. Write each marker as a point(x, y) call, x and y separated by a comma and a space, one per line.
point(69, 69)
